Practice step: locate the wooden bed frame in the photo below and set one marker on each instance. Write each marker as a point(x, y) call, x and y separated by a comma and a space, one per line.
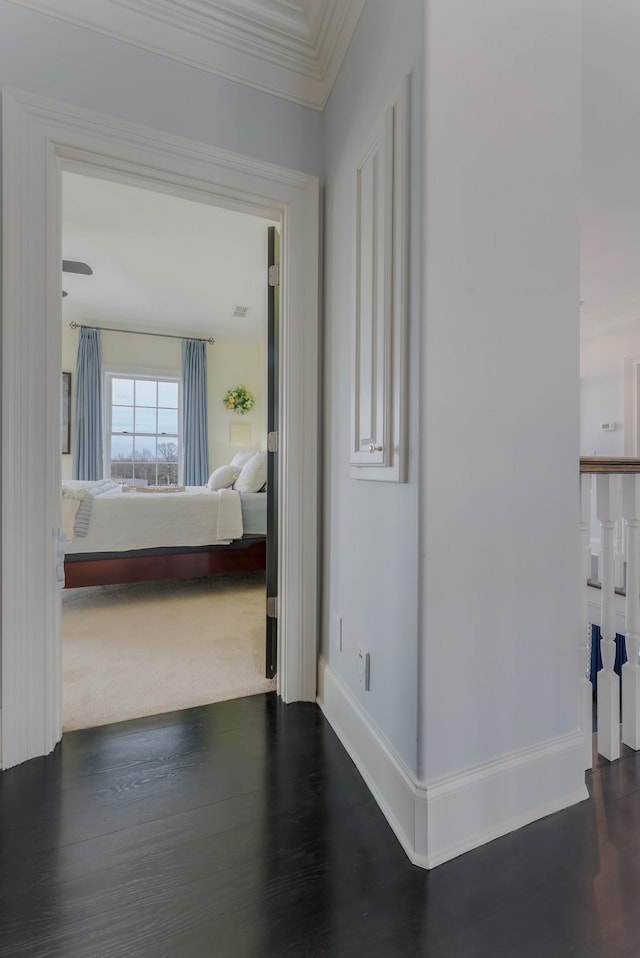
point(146, 565)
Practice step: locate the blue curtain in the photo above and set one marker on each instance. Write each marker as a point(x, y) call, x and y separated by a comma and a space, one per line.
point(194, 417)
point(596, 656)
point(87, 446)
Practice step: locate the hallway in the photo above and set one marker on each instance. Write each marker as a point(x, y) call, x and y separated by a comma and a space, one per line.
point(242, 830)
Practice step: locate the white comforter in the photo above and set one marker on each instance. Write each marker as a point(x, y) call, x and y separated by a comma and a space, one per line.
point(121, 521)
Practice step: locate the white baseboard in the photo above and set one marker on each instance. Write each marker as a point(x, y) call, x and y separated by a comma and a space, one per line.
point(439, 820)
point(389, 780)
point(472, 807)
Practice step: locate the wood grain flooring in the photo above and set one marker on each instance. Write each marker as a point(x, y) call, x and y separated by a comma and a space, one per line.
point(242, 830)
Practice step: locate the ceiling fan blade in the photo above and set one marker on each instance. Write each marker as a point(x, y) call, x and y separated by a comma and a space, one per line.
point(72, 266)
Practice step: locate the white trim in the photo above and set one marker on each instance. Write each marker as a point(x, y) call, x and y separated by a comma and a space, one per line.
point(141, 372)
point(380, 314)
point(439, 820)
point(40, 139)
point(293, 58)
point(472, 807)
point(387, 776)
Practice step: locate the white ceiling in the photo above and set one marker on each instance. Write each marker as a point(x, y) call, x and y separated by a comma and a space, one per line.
point(291, 48)
point(162, 263)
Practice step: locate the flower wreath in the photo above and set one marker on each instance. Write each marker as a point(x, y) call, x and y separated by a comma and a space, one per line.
point(239, 400)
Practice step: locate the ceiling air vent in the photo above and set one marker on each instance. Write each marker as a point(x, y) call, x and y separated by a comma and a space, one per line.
point(240, 311)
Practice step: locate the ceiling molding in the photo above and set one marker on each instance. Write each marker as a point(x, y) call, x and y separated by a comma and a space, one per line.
point(289, 48)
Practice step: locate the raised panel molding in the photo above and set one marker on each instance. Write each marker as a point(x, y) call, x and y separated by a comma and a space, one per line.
point(292, 50)
point(380, 306)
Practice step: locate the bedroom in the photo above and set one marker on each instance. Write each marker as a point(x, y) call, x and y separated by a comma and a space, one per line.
point(172, 268)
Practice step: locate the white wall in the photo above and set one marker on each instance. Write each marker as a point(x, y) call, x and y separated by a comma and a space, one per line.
point(370, 537)
point(463, 584)
point(47, 57)
point(610, 157)
point(602, 388)
point(610, 216)
point(232, 363)
point(499, 581)
point(228, 363)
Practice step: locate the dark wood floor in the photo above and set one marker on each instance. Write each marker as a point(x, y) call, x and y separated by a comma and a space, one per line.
point(242, 830)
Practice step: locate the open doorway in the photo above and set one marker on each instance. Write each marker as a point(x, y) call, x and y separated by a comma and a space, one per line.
point(143, 632)
point(54, 137)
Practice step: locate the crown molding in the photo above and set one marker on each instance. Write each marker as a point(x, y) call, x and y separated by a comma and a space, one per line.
point(289, 48)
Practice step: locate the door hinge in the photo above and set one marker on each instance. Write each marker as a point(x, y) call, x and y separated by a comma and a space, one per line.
point(272, 606)
point(274, 275)
point(272, 442)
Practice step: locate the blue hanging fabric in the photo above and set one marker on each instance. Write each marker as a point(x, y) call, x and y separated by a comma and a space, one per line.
point(87, 447)
point(596, 656)
point(194, 416)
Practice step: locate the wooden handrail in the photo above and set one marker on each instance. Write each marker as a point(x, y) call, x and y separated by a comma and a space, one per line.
point(600, 465)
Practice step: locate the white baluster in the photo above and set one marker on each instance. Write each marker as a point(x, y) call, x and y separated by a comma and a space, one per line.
point(631, 669)
point(619, 556)
point(608, 683)
point(586, 689)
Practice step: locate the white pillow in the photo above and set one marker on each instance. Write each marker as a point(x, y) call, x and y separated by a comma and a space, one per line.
point(253, 475)
point(242, 458)
point(223, 477)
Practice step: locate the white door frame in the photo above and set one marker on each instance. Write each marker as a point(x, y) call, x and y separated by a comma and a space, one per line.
point(41, 138)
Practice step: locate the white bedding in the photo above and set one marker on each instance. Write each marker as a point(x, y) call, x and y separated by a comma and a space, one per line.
point(121, 521)
point(254, 513)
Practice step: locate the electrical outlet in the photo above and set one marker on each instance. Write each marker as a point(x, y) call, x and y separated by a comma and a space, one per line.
point(364, 669)
point(336, 632)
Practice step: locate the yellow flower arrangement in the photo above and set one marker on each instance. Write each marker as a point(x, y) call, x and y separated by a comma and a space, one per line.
point(239, 400)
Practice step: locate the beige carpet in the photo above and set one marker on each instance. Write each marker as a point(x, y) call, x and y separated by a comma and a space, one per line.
point(152, 647)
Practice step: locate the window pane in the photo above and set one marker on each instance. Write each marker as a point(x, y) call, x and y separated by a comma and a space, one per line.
point(122, 391)
point(167, 450)
point(146, 392)
point(168, 421)
point(146, 470)
point(121, 448)
point(144, 449)
point(168, 395)
point(167, 473)
point(122, 419)
point(145, 419)
point(122, 470)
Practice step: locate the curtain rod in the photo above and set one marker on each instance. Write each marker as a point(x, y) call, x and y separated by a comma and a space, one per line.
point(138, 332)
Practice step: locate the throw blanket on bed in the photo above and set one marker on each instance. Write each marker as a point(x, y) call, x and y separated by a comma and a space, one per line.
point(229, 515)
point(77, 501)
point(195, 517)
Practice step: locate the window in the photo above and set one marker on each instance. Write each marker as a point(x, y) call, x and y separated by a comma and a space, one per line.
point(142, 424)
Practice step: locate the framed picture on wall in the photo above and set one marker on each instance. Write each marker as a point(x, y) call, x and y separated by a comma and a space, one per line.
point(65, 414)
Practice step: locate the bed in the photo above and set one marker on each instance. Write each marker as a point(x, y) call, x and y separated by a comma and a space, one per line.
point(116, 534)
